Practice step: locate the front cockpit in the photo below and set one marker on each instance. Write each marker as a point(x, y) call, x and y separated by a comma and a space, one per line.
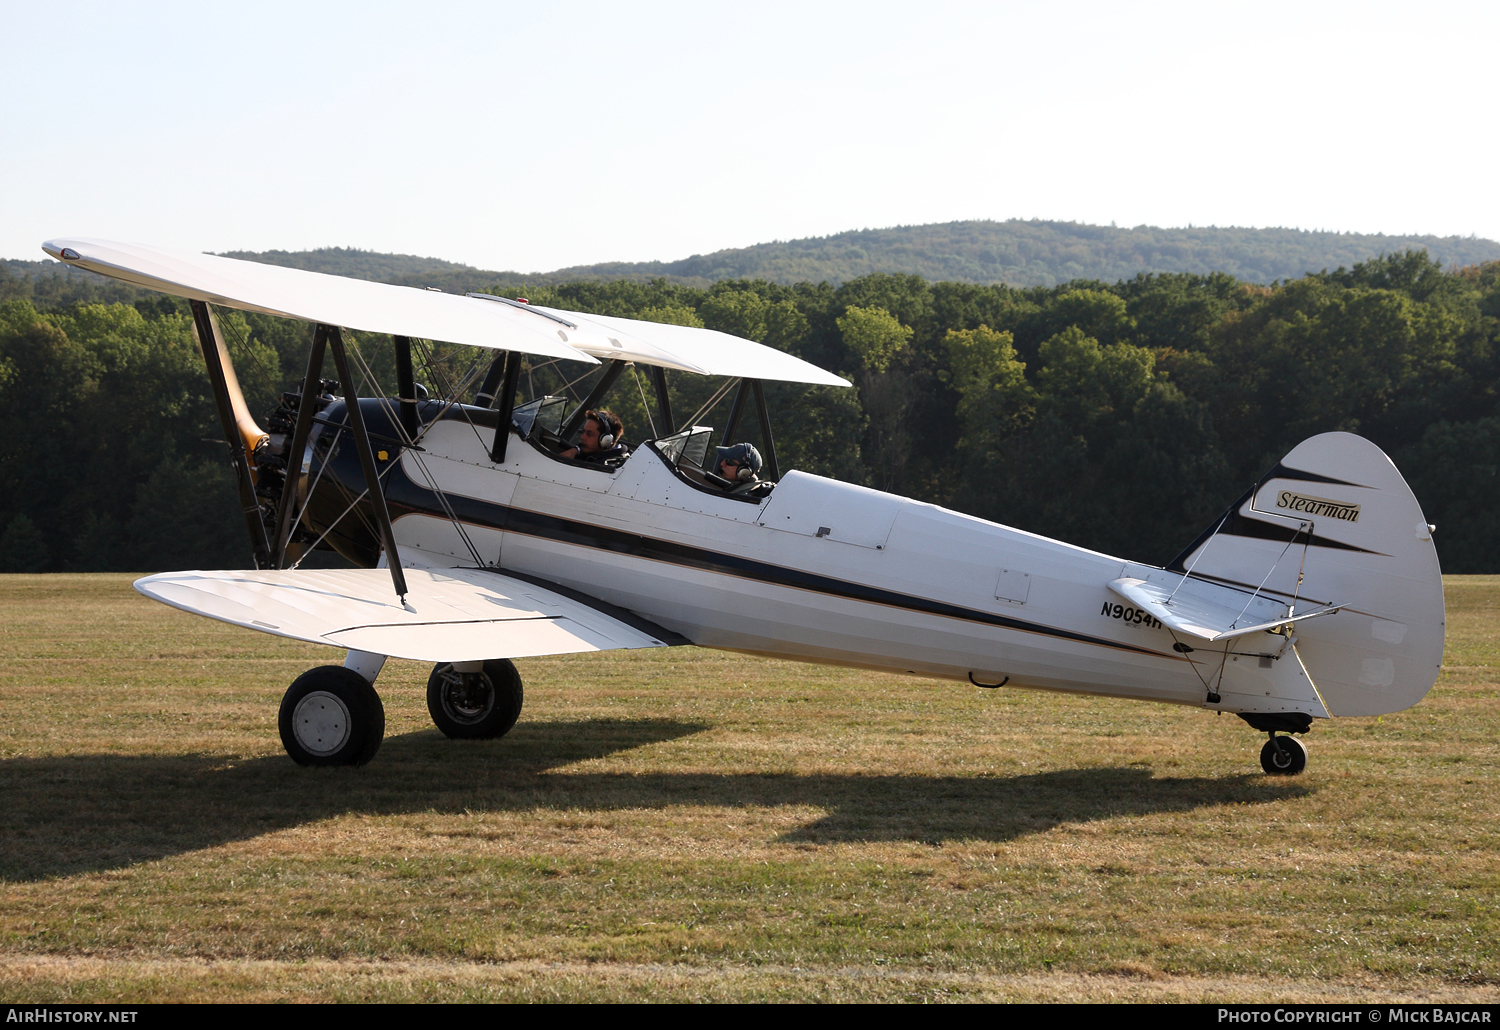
point(458, 440)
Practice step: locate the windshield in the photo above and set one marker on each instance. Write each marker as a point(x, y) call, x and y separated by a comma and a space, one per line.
point(545, 413)
point(688, 447)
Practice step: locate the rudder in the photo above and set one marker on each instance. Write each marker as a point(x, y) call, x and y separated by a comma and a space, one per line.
point(1337, 516)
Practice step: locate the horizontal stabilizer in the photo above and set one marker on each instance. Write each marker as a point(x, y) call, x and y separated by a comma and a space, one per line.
point(451, 615)
point(1190, 608)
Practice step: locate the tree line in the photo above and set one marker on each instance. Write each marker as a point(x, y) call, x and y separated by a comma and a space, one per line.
point(1040, 253)
point(1120, 416)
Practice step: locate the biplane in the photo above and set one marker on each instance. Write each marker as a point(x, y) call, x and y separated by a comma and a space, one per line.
point(478, 540)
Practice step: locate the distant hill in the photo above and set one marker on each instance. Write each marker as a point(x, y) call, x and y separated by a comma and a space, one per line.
point(1017, 252)
point(1022, 253)
point(1043, 254)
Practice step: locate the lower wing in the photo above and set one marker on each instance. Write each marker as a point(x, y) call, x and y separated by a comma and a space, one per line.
point(449, 615)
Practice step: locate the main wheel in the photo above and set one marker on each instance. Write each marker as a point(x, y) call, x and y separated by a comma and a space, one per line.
point(331, 716)
point(475, 705)
point(1283, 756)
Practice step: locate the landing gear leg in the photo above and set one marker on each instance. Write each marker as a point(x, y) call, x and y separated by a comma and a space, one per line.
point(331, 715)
point(475, 700)
point(1283, 756)
point(366, 663)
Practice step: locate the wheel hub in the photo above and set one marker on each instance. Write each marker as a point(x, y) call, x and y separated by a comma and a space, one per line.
point(468, 696)
point(321, 722)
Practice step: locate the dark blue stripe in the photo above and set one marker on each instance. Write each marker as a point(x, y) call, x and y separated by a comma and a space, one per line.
point(406, 497)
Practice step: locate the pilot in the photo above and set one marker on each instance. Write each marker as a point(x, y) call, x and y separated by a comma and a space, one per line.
point(599, 441)
point(740, 464)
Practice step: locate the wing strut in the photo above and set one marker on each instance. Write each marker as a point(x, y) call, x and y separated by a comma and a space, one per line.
point(307, 404)
point(485, 398)
point(736, 409)
point(406, 387)
point(754, 390)
point(765, 428)
point(220, 376)
point(663, 401)
point(575, 421)
point(366, 456)
point(506, 404)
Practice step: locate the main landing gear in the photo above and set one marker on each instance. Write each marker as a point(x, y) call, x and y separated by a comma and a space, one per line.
point(475, 700)
point(1281, 756)
point(331, 715)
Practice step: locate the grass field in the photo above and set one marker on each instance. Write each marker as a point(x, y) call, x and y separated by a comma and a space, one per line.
point(686, 824)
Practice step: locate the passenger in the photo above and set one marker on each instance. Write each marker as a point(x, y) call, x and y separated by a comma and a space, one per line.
point(740, 465)
point(599, 442)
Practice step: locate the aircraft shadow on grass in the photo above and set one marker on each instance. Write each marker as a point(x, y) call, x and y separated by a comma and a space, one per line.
point(76, 814)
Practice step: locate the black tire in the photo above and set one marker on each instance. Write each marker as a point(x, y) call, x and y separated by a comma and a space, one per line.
point(475, 705)
point(331, 716)
point(1283, 756)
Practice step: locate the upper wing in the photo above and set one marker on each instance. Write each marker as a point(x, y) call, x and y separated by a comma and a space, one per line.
point(452, 615)
point(698, 350)
point(330, 299)
point(432, 315)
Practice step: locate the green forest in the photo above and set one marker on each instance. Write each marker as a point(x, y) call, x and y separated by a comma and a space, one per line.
point(1038, 253)
point(1014, 252)
point(1122, 416)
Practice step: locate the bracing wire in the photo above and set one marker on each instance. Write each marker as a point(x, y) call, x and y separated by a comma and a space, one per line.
point(342, 515)
point(1301, 527)
point(1201, 551)
point(316, 480)
point(568, 386)
point(642, 391)
point(1301, 570)
point(715, 399)
point(378, 393)
point(421, 462)
point(450, 400)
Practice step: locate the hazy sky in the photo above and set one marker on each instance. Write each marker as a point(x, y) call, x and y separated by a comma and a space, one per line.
point(533, 136)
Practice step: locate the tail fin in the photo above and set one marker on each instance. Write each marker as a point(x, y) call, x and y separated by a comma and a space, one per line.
point(1334, 523)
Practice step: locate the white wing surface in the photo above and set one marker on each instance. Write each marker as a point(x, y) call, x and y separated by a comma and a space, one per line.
point(330, 299)
point(454, 615)
point(699, 350)
point(430, 315)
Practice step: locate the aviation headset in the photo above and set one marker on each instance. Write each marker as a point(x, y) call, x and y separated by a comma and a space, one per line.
point(608, 422)
point(747, 458)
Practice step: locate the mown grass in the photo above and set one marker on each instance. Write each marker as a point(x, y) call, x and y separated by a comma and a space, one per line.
point(688, 824)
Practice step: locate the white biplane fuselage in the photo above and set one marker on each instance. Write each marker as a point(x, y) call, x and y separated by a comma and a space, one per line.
point(1317, 594)
point(819, 571)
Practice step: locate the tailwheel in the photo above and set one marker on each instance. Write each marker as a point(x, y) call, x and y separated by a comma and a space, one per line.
point(1283, 756)
point(331, 716)
point(475, 700)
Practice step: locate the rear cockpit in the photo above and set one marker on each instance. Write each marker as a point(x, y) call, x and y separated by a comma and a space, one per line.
point(687, 454)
